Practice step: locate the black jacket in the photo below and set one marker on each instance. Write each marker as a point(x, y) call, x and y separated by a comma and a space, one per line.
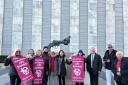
point(63, 70)
point(111, 57)
point(124, 71)
point(46, 65)
point(12, 70)
point(97, 63)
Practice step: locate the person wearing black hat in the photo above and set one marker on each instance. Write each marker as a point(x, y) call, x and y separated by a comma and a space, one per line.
point(109, 58)
point(81, 53)
point(46, 57)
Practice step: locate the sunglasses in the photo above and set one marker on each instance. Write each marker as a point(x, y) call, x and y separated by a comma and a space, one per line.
point(109, 47)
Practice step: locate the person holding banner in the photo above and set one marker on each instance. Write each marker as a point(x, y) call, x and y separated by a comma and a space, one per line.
point(79, 59)
point(81, 54)
point(53, 69)
point(38, 68)
point(20, 70)
point(94, 66)
point(61, 67)
point(14, 77)
point(46, 57)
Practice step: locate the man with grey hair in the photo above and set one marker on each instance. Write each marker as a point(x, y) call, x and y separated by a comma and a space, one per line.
point(94, 66)
point(120, 69)
point(109, 58)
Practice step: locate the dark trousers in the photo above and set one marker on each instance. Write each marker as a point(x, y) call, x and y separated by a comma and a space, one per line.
point(15, 80)
point(93, 77)
point(45, 79)
point(61, 78)
point(79, 83)
point(120, 83)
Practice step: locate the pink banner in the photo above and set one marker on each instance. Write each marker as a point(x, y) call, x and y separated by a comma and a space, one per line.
point(23, 69)
point(77, 68)
point(38, 69)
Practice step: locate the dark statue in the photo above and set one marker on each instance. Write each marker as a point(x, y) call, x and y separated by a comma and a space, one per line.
point(65, 41)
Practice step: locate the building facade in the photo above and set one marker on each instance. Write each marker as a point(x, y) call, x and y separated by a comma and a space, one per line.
point(26, 24)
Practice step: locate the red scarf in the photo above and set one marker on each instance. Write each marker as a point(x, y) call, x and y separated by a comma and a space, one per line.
point(52, 64)
point(118, 66)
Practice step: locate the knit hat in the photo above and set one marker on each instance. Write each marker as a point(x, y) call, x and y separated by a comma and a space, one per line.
point(80, 51)
point(45, 47)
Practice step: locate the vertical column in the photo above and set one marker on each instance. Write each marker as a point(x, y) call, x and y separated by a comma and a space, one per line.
point(7, 31)
point(46, 32)
point(55, 24)
point(92, 24)
point(17, 24)
point(101, 26)
point(125, 13)
point(65, 22)
point(1, 22)
point(27, 26)
point(37, 24)
point(74, 25)
point(83, 30)
point(119, 25)
point(110, 22)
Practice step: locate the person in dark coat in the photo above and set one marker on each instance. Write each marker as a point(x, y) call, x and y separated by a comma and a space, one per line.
point(109, 58)
point(32, 59)
point(81, 53)
point(120, 69)
point(61, 67)
point(14, 77)
point(46, 57)
point(94, 66)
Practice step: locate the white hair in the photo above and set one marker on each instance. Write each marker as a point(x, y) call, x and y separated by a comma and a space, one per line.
point(13, 53)
point(119, 52)
point(92, 48)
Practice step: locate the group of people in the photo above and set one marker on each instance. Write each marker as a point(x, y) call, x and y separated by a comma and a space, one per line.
point(116, 66)
point(55, 66)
